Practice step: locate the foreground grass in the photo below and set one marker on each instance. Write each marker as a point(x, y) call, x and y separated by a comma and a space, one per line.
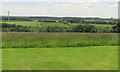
point(48, 40)
point(73, 58)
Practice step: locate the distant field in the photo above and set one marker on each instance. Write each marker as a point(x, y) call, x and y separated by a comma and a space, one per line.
point(24, 23)
point(48, 40)
point(73, 58)
point(37, 24)
point(40, 24)
point(96, 25)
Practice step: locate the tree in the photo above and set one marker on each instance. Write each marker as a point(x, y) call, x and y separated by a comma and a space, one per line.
point(78, 28)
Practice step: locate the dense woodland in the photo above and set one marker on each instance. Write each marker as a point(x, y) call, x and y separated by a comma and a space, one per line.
point(84, 24)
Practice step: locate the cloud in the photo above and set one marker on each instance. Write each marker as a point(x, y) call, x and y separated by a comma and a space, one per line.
point(93, 0)
point(73, 1)
point(114, 5)
point(9, 0)
point(64, 9)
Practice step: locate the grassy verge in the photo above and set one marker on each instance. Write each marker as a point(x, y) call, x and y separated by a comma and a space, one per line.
point(78, 58)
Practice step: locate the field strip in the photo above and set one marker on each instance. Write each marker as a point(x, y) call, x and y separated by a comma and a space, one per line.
point(79, 58)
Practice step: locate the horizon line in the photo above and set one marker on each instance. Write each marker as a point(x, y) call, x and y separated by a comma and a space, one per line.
point(57, 16)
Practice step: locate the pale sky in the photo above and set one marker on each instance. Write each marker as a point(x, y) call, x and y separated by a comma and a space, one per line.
point(74, 8)
point(60, 0)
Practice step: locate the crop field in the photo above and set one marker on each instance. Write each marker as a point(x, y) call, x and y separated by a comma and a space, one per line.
point(73, 58)
point(41, 24)
point(44, 39)
point(59, 51)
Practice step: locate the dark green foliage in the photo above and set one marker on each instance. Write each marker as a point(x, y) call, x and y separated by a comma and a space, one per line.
point(13, 28)
point(54, 29)
point(89, 28)
point(84, 28)
point(78, 28)
point(116, 27)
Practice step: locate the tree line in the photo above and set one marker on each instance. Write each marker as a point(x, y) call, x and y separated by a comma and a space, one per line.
point(79, 28)
point(89, 20)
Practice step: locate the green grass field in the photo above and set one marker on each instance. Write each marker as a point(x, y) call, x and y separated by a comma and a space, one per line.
point(41, 24)
point(59, 51)
point(73, 58)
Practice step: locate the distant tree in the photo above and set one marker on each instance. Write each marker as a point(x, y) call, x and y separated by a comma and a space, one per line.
point(78, 28)
point(115, 28)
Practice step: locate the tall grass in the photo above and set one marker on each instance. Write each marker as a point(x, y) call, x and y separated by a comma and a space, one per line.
point(45, 40)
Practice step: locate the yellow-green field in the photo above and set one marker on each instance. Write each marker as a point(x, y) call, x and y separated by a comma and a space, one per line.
point(40, 24)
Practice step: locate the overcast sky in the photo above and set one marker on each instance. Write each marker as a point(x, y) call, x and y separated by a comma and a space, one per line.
point(75, 8)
